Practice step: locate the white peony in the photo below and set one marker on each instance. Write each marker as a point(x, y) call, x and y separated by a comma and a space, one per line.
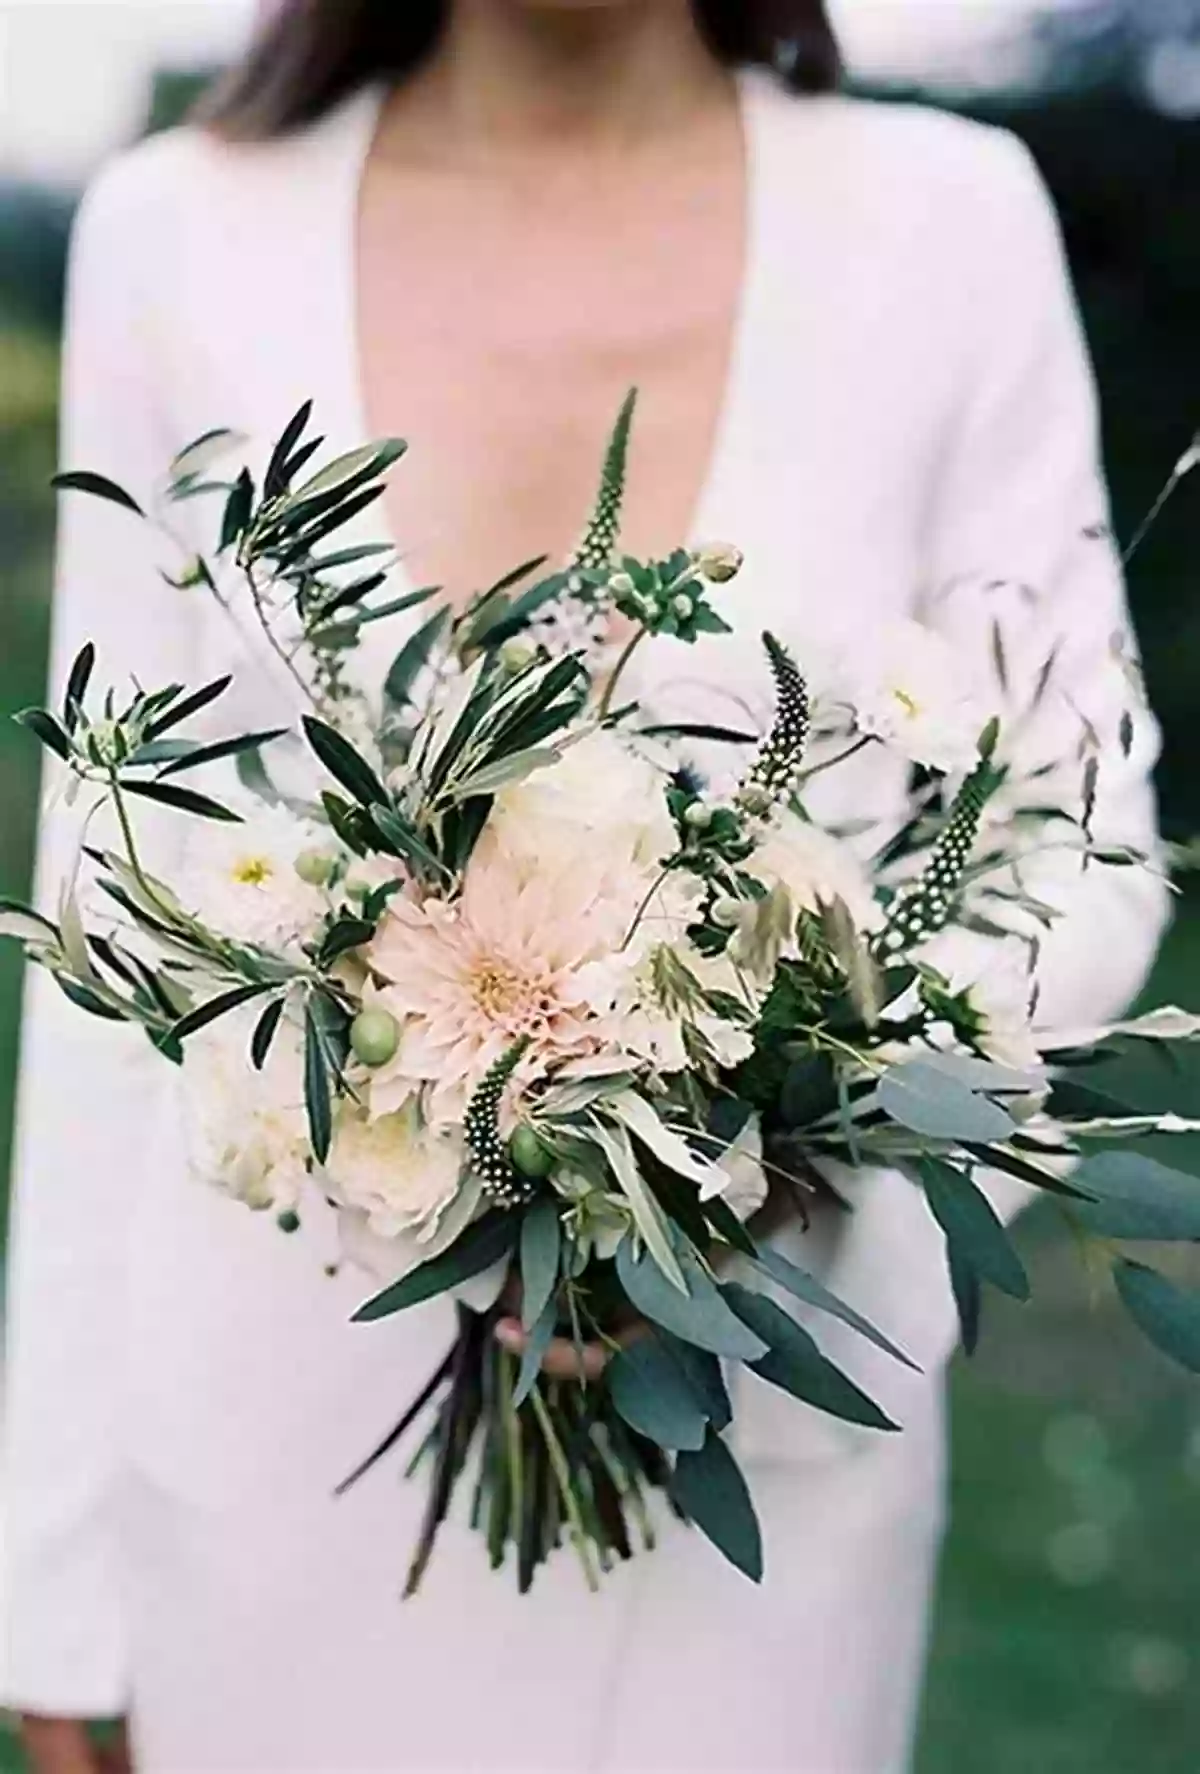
point(601, 801)
point(241, 880)
point(814, 869)
point(399, 1174)
point(905, 685)
point(246, 1132)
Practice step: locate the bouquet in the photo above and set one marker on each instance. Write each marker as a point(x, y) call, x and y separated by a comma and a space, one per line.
point(556, 1023)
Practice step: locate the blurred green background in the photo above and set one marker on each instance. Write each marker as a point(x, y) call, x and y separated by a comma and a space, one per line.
point(1067, 1636)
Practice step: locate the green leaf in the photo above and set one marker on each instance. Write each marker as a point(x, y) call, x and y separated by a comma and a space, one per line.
point(317, 1088)
point(398, 836)
point(504, 772)
point(45, 727)
point(22, 924)
point(648, 1216)
point(77, 682)
point(87, 1000)
point(708, 1486)
point(190, 705)
point(375, 458)
point(82, 481)
point(221, 748)
point(1168, 1315)
point(487, 1241)
point(264, 1034)
point(412, 658)
point(207, 1013)
point(812, 1292)
point(652, 1394)
point(540, 1240)
point(996, 1158)
point(1137, 1197)
point(703, 1373)
point(972, 1229)
point(699, 1316)
point(343, 936)
point(276, 479)
point(540, 1335)
point(795, 1363)
point(199, 456)
point(238, 509)
point(183, 800)
point(968, 1299)
point(344, 763)
point(929, 1101)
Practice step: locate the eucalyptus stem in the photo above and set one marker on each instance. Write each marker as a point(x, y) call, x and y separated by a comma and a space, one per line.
point(627, 652)
point(562, 1475)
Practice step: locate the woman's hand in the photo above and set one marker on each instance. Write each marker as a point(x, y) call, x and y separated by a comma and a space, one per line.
point(66, 1746)
point(564, 1359)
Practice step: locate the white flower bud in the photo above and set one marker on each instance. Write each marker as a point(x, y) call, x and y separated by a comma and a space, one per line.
point(517, 654)
point(683, 606)
point(727, 913)
point(315, 867)
point(621, 585)
point(699, 816)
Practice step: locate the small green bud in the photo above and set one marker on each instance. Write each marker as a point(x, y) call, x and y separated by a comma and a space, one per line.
point(288, 1221)
point(621, 584)
point(719, 562)
point(315, 867)
point(755, 799)
point(529, 1154)
point(727, 913)
point(517, 654)
point(374, 1037)
point(683, 606)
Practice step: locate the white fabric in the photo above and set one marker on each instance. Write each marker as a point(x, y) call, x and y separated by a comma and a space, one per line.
point(909, 410)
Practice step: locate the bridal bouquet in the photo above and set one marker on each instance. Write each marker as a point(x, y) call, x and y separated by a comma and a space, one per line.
point(546, 1016)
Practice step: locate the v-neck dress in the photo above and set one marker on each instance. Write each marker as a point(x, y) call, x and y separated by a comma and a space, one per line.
point(909, 428)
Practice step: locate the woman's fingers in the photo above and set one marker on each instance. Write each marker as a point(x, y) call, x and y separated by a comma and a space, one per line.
point(61, 1746)
point(564, 1360)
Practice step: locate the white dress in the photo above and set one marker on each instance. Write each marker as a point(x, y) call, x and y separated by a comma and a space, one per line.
point(909, 421)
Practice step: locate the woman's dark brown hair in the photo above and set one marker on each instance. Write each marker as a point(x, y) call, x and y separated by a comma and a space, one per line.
point(315, 52)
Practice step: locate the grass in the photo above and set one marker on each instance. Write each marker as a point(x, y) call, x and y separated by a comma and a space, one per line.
point(1065, 1637)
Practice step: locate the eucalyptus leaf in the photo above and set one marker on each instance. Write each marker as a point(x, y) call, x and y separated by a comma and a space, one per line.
point(47, 728)
point(183, 800)
point(540, 1335)
point(971, 1227)
point(796, 1364)
point(930, 1101)
point(1137, 1197)
point(317, 1086)
point(652, 1394)
point(412, 658)
point(703, 1372)
point(540, 1242)
point(968, 1299)
point(708, 1486)
point(700, 1316)
point(215, 1007)
point(648, 1216)
point(221, 748)
point(1167, 1314)
point(812, 1292)
point(83, 481)
point(484, 1243)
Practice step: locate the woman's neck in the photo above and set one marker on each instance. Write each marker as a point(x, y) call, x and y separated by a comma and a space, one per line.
point(511, 78)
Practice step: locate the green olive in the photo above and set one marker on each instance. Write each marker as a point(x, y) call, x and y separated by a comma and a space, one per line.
point(315, 867)
point(374, 1037)
point(529, 1153)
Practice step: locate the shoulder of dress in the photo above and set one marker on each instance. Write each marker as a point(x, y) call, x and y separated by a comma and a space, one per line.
point(942, 164)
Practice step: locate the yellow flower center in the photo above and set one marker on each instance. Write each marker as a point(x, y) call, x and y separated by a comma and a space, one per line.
point(497, 990)
point(909, 704)
point(252, 871)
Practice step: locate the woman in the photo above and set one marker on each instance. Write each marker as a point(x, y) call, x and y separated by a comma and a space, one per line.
point(477, 222)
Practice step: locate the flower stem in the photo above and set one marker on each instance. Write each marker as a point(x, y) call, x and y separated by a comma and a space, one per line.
point(562, 1475)
point(610, 689)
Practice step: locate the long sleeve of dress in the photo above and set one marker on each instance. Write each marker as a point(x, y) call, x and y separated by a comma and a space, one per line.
point(87, 1089)
point(1021, 569)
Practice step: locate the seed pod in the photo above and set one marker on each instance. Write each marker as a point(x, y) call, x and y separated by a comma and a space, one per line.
point(489, 1152)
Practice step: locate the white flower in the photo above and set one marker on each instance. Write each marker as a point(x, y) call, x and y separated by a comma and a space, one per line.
point(241, 880)
point(905, 685)
point(246, 1132)
point(399, 1174)
point(995, 977)
point(814, 869)
point(601, 802)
